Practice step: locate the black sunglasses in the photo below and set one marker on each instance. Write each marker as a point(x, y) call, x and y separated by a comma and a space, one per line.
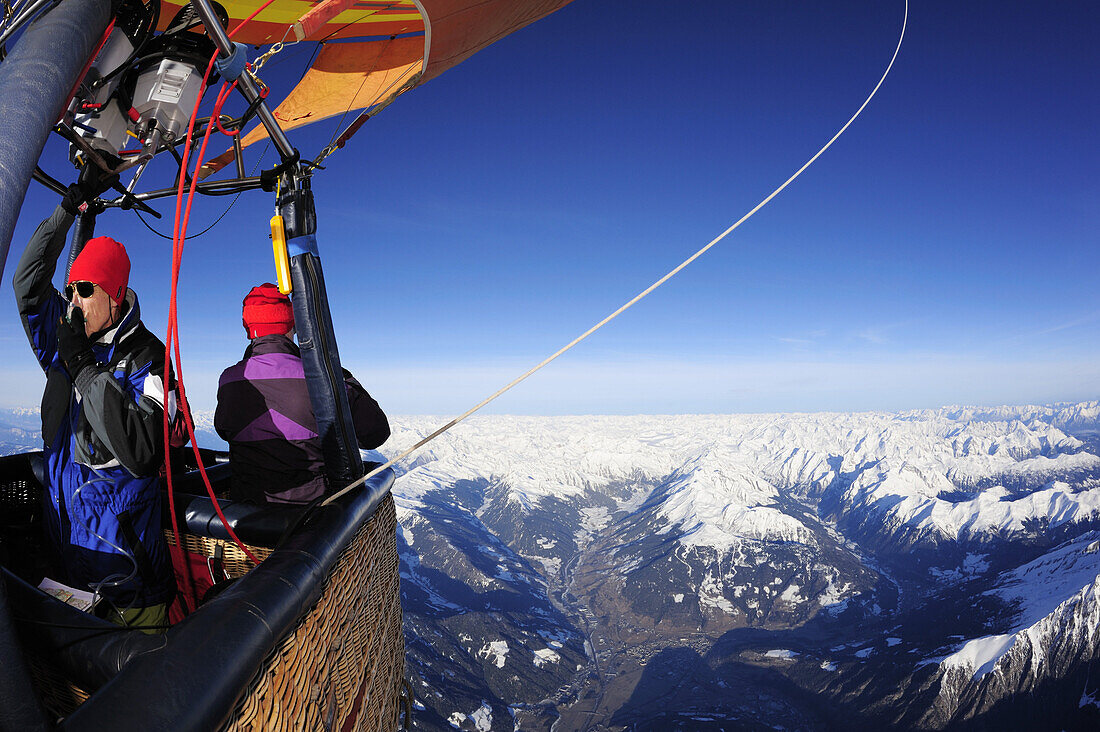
point(82, 288)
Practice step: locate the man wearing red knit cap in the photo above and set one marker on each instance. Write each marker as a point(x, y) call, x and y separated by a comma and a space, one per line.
point(102, 424)
point(102, 261)
point(265, 415)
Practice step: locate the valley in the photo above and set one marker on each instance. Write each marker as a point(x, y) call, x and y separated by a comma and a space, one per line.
point(737, 576)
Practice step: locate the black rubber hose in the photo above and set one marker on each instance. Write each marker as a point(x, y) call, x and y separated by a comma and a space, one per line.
point(35, 80)
point(83, 230)
point(317, 339)
point(153, 10)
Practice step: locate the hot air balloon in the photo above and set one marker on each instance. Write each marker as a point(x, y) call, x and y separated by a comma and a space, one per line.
point(299, 623)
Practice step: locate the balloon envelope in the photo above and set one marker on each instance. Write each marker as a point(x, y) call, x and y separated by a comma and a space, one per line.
point(371, 50)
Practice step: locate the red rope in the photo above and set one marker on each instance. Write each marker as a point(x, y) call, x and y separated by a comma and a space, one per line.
point(172, 336)
point(88, 63)
point(179, 554)
point(249, 18)
point(217, 115)
point(182, 219)
point(179, 364)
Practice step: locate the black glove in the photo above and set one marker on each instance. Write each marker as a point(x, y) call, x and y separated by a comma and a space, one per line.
point(73, 345)
point(92, 183)
point(72, 200)
point(95, 181)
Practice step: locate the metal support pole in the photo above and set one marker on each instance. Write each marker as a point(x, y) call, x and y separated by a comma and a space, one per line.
point(83, 229)
point(317, 341)
point(35, 80)
point(22, 18)
point(221, 186)
point(244, 83)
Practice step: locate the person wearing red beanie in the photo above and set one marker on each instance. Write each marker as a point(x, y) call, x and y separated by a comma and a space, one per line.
point(266, 311)
point(104, 265)
point(265, 415)
point(102, 424)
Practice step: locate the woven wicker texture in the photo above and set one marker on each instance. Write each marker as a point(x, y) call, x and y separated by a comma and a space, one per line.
point(237, 563)
point(19, 504)
point(343, 665)
point(18, 493)
point(59, 697)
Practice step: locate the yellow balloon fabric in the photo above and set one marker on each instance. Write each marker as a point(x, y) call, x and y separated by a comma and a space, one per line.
point(372, 50)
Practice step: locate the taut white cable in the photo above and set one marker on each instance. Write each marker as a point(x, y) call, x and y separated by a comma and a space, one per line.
point(644, 292)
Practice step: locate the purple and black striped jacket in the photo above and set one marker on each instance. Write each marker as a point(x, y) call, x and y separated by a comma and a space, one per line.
point(264, 413)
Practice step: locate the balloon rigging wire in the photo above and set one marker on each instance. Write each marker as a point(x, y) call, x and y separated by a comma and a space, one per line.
point(338, 141)
point(351, 102)
point(367, 12)
point(172, 342)
point(220, 216)
point(640, 295)
point(337, 132)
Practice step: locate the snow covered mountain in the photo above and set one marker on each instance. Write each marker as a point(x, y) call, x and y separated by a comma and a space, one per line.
point(20, 430)
point(1056, 620)
point(796, 558)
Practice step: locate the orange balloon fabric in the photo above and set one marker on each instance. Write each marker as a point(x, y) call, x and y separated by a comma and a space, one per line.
point(397, 46)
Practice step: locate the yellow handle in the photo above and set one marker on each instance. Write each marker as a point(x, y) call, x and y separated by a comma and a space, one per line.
point(282, 259)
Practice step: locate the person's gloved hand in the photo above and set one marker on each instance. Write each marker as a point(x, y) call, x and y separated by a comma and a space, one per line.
point(72, 199)
point(92, 183)
point(72, 343)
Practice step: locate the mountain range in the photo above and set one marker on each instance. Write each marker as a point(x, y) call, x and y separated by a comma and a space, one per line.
point(919, 570)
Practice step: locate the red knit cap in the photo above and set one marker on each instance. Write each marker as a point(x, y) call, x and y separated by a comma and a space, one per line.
point(266, 311)
point(104, 262)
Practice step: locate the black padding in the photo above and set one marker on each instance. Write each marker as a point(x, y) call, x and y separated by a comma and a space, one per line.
point(90, 650)
point(317, 345)
point(19, 707)
point(194, 681)
point(259, 525)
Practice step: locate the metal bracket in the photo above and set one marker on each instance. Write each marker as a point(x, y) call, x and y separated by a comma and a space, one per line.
point(245, 83)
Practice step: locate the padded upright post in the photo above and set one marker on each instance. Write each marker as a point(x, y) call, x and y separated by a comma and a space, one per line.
point(317, 340)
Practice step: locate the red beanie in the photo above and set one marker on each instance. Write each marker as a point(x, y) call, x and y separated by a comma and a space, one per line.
point(266, 311)
point(104, 262)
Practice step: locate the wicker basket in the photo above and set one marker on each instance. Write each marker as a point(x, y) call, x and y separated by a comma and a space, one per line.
point(236, 562)
point(342, 665)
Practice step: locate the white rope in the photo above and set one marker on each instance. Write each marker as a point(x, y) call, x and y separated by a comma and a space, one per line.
point(644, 292)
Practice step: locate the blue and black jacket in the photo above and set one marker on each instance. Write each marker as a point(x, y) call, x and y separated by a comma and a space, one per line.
point(103, 438)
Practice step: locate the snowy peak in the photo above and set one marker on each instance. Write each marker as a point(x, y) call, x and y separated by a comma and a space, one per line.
point(931, 475)
point(713, 501)
point(666, 547)
point(1047, 652)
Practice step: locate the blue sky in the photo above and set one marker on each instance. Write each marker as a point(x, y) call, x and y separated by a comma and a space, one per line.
point(942, 252)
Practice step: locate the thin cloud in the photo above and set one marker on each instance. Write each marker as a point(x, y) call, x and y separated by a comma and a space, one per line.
point(807, 339)
point(727, 386)
point(880, 334)
point(1075, 323)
